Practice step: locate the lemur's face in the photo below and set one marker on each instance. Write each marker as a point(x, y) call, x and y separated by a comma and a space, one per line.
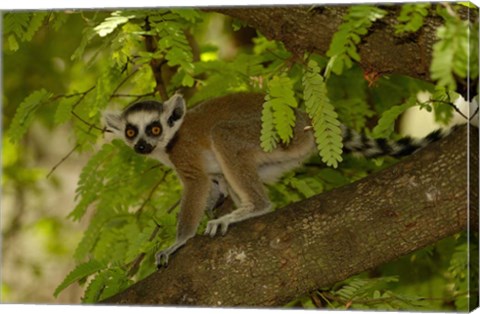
point(147, 125)
point(142, 129)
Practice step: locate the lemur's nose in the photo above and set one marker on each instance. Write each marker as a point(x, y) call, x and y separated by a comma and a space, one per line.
point(142, 147)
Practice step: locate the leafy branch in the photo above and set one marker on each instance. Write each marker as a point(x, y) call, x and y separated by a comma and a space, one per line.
point(135, 264)
point(343, 50)
point(322, 113)
point(411, 17)
point(62, 160)
point(455, 54)
point(278, 115)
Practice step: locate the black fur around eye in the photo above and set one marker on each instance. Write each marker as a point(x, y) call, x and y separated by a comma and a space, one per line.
point(130, 131)
point(154, 129)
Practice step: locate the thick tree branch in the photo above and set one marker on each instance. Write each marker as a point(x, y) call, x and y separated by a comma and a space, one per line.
point(271, 259)
point(310, 29)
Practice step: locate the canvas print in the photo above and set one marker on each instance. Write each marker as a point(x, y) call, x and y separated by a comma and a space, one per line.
point(319, 156)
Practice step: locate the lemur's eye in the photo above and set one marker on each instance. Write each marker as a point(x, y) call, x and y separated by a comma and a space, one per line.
point(130, 132)
point(156, 130)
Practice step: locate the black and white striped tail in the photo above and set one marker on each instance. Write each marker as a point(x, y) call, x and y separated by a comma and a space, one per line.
point(359, 144)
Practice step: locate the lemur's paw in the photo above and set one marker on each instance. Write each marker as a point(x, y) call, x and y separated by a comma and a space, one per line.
point(215, 224)
point(161, 258)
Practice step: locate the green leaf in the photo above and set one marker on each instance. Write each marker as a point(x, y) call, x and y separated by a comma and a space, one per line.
point(342, 50)
point(116, 281)
point(80, 272)
point(89, 182)
point(279, 118)
point(88, 35)
point(14, 28)
point(12, 43)
point(268, 137)
point(111, 23)
point(91, 235)
point(411, 17)
point(95, 288)
point(26, 113)
point(352, 52)
point(21, 27)
point(36, 22)
point(16, 23)
point(64, 110)
point(58, 19)
point(104, 88)
point(451, 52)
point(190, 15)
point(307, 186)
point(324, 118)
point(387, 122)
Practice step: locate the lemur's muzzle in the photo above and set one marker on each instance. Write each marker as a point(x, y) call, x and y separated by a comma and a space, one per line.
point(142, 147)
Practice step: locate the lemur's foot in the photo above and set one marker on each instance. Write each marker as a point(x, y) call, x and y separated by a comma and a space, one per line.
point(161, 258)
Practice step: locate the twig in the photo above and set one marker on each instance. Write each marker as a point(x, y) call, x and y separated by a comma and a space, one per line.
point(84, 94)
point(125, 79)
point(149, 197)
point(136, 262)
point(155, 64)
point(473, 115)
point(132, 95)
point(72, 95)
point(170, 210)
point(126, 180)
point(456, 109)
point(92, 126)
point(62, 160)
point(451, 105)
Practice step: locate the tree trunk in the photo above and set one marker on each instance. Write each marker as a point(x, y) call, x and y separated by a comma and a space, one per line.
point(269, 260)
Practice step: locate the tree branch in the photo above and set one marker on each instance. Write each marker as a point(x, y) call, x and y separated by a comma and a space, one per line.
point(155, 64)
point(270, 260)
point(306, 29)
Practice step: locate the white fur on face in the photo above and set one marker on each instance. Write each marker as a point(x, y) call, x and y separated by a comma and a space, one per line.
point(141, 120)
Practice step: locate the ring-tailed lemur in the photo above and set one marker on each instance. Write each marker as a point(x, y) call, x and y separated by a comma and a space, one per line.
point(215, 150)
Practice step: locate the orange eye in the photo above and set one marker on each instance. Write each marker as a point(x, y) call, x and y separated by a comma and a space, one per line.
point(156, 130)
point(130, 133)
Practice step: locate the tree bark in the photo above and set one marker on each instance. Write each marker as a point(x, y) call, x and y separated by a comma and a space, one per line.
point(269, 260)
point(310, 29)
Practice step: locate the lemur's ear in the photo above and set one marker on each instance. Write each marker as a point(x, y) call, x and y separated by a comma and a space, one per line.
point(174, 111)
point(113, 122)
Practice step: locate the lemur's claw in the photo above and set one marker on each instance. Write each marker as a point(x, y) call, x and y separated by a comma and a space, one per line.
point(161, 259)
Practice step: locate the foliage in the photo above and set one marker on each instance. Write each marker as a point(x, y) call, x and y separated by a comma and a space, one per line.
point(362, 293)
point(21, 27)
point(25, 113)
point(456, 51)
point(349, 93)
point(130, 200)
point(411, 17)
point(343, 51)
point(80, 272)
point(324, 118)
point(385, 125)
point(278, 114)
